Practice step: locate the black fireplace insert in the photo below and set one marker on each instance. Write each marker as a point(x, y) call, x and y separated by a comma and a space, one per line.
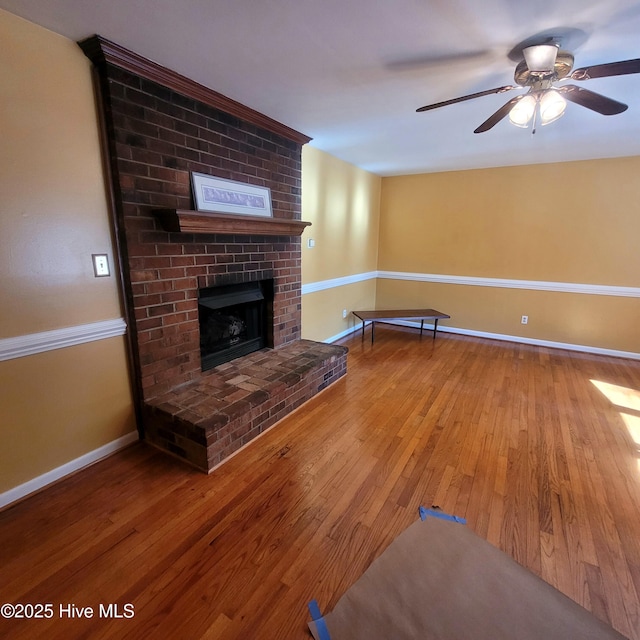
point(233, 321)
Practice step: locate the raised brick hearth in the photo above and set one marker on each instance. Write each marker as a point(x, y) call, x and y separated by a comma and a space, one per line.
point(206, 420)
point(158, 128)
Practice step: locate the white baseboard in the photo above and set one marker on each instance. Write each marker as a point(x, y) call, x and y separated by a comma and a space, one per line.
point(499, 336)
point(342, 334)
point(615, 353)
point(23, 490)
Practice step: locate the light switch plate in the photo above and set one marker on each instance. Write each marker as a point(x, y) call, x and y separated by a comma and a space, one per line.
point(100, 265)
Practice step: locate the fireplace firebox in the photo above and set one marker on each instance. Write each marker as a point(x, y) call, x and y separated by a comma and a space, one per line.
point(234, 321)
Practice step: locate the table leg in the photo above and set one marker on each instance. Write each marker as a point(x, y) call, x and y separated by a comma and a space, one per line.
point(363, 329)
point(421, 326)
point(373, 326)
point(435, 328)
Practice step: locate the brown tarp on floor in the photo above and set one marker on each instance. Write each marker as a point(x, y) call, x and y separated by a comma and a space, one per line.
point(438, 580)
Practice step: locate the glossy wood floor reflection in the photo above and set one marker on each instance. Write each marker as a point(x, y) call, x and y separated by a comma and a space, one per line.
point(537, 448)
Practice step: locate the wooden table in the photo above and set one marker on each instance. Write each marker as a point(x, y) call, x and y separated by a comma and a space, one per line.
point(385, 315)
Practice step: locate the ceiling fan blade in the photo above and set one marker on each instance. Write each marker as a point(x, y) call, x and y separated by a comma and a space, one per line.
point(591, 100)
point(493, 120)
point(471, 96)
point(444, 60)
point(621, 68)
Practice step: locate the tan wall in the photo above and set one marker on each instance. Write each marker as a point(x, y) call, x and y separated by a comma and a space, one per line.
point(53, 206)
point(342, 202)
point(574, 222)
point(53, 216)
point(58, 406)
point(322, 310)
point(567, 318)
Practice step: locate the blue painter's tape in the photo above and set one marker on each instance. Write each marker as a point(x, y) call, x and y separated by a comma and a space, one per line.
point(424, 513)
point(316, 616)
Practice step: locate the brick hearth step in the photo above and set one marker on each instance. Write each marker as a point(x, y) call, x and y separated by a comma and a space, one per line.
point(204, 421)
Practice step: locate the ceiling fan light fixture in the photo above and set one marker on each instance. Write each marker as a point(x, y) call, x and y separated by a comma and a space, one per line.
point(552, 106)
point(523, 111)
point(541, 58)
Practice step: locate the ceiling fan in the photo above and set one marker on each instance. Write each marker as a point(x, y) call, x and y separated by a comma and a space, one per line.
point(544, 65)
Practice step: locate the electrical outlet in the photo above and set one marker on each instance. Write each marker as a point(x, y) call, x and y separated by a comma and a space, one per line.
point(344, 313)
point(525, 319)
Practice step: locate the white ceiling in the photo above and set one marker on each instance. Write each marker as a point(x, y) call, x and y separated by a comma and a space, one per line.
point(351, 73)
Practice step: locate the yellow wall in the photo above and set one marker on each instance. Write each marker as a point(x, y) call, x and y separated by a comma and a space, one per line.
point(602, 322)
point(574, 222)
point(53, 205)
point(56, 407)
point(61, 404)
point(322, 311)
point(342, 202)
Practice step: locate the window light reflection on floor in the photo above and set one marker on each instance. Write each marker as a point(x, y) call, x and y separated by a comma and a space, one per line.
point(622, 397)
point(633, 426)
point(629, 401)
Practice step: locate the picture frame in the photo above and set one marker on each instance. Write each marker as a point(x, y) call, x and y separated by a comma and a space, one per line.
point(219, 195)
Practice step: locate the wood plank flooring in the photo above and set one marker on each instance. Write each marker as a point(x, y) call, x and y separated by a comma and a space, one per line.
point(535, 447)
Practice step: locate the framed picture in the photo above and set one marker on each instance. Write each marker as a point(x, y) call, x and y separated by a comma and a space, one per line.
point(227, 196)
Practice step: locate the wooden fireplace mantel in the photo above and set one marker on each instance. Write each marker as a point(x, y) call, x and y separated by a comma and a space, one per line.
point(187, 221)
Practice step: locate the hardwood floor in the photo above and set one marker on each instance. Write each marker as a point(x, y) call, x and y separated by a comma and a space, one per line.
point(535, 447)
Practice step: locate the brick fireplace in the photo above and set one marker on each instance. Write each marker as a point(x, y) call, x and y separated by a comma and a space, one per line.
point(158, 127)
